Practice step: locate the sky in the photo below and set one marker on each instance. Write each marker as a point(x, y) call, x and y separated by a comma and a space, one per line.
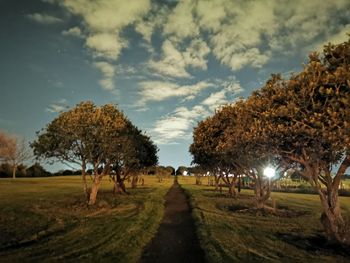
point(166, 64)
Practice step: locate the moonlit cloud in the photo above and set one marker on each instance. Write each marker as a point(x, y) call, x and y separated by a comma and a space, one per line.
point(44, 19)
point(58, 106)
point(177, 125)
point(74, 32)
point(161, 90)
point(180, 23)
point(104, 21)
point(108, 73)
point(174, 63)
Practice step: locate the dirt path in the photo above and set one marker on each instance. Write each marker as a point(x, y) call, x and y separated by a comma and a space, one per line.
point(176, 240)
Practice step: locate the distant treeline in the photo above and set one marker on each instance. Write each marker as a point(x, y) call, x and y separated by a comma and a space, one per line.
point(37, 170)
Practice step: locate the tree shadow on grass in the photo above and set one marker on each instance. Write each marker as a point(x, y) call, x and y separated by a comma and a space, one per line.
point(317, 244)
point(283, 212)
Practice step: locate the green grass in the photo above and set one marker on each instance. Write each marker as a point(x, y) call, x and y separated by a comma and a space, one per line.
point(229, 236)
point(45, 220)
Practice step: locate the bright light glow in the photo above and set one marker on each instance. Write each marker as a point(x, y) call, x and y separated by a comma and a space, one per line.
point(269, 172)
point(184, 173)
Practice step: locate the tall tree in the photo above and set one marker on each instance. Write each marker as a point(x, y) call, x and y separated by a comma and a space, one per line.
point(307, 123)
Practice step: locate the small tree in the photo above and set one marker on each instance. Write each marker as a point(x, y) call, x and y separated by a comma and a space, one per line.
point(13, 151)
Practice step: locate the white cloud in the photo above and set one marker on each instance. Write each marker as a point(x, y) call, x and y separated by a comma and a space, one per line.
point(180, 22)
point(108, 15)
point(175, 63)
point(149, 23)
point(248, 33)
point(172, 63)
point(74, 32)
point(107, 69)
point(215, 100)
point(231, 88)
point(44, 19)
point(105, 45)
point(211, 14)
point(161, 90)
point(237, 43)
point(104, 21)
point(178, 125)
point(58, 106)
point(195, 54)
point(108, 72)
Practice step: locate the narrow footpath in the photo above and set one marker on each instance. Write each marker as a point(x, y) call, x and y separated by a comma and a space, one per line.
point(176, 239)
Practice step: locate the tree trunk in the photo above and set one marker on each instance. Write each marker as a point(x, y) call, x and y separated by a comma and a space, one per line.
point(331, 217)
point(83, 174)
point(239, 183)
point(119, 185)
point(134, 182)
point(94, 189)
point(231, 190)
point(14, 170)
point(261, 194)
point(217, 179)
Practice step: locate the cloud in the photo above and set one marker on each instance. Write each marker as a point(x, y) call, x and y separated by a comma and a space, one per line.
point(44, 19)
point(74, 32)
point(104, 21)
point(177, 125)
point(108, 15)
point(174, 63)
point(231, 88)
point(58, 106)
point(105, 45)
point(249, 33)
point(180, 23)
point(215, 99)
point(108, 72)
point(155, 19)
point(162, 90)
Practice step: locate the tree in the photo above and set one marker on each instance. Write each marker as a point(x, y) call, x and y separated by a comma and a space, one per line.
point(307, 124)
point(85, 135)
point(13, 151)
point(207, 137)
point(36, 170)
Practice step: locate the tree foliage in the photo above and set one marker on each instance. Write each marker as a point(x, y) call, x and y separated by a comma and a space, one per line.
point(100, 137)
point(302, 123)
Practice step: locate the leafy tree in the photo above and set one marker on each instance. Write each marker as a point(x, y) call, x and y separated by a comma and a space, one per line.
point(36, 170)
point(138, 152)
point(307, 123)
point(85, 135)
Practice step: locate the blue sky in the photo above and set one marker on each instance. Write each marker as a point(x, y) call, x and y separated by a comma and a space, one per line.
point(167, 64)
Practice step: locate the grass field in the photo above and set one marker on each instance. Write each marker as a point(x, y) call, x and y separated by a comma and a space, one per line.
point(45, 220)
point(230, 236)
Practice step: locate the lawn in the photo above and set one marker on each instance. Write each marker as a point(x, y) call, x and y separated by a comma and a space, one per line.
point(45, 220)
point(227, 235)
